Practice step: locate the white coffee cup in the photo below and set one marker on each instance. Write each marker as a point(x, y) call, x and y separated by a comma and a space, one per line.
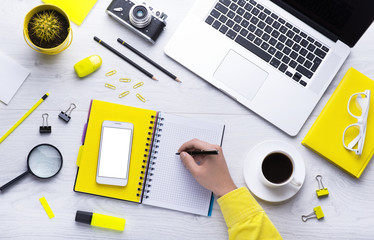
point(277, 169)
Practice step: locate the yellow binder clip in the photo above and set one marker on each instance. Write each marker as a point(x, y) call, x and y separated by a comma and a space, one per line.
point(322, 191)
point(124, 94)
point(110, 73)
point(139, 84)
point(141, 98)
point(110, 86)
point(316, 214)
point(126, 80)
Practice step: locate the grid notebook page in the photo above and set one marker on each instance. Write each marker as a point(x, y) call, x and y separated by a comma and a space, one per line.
point(172, 185)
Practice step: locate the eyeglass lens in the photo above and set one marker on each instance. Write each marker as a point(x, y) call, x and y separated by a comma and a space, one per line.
point(358, 104)
point(350, 135)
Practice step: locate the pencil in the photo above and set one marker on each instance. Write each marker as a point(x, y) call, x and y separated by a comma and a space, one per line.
point(202, 152)
point(124, 58)
point(23, 117)
point(148, 59)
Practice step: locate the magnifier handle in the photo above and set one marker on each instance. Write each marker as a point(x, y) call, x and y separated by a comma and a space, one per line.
point(5, 186)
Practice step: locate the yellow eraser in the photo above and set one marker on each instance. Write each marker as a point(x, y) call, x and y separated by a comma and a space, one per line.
point(46, 207)
point(322, 192)
point(88, 65)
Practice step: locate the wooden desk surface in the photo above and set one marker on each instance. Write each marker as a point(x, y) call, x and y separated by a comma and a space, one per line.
point(349, 211)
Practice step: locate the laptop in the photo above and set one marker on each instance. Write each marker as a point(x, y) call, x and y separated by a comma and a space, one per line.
point(275, 57)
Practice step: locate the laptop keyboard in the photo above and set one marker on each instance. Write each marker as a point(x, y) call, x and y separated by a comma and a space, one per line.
point(270, 37)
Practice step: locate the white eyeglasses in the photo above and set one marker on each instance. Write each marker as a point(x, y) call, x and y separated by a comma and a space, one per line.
point(354, 134)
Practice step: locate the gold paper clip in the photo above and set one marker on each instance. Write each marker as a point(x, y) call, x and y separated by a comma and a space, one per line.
point(139, 84)
point(141, 98)
point(125, 80)
point(124, 94)
point(316, 214)
point(110, 73)
point(322, 191)
point(110, 86)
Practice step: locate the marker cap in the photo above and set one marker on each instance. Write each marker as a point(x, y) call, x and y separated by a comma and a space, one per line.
point(83, 217)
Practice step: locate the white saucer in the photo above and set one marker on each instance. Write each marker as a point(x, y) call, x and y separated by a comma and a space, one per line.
point(252, 171)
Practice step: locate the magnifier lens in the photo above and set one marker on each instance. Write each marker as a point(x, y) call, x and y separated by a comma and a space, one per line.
point(44, 161)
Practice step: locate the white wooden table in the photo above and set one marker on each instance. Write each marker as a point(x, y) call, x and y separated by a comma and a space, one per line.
point(349, 211)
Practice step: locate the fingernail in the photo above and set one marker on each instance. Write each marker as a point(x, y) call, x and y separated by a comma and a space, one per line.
point(183, 154)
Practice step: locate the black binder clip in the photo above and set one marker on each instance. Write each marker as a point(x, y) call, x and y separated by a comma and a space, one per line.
point(66, 115)
point(45, 128)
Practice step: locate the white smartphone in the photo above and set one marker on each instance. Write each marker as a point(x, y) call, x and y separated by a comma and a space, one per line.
point(114, 153)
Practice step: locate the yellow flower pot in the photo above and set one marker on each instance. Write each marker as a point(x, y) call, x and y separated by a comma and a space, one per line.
point(50, 51)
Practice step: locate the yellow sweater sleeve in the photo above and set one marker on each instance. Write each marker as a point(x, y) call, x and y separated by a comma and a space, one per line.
point(245, 218)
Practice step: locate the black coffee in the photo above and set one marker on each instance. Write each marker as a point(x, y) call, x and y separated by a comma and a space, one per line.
point(277, 167)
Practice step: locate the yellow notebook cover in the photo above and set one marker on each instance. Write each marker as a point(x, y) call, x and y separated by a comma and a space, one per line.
point(326, 134)
point(77, 10)
point(88, 153)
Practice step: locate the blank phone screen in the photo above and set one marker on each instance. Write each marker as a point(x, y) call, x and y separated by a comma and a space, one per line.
point(114, 152)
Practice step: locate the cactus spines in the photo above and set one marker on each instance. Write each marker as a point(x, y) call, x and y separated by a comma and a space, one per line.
point(46, 26)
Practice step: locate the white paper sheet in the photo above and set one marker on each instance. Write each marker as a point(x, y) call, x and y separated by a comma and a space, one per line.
point(12, 76)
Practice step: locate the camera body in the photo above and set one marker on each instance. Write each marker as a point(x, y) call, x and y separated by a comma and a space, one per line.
point(140, 17)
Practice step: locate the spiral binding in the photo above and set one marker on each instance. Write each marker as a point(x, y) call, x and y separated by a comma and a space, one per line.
point(150, 156)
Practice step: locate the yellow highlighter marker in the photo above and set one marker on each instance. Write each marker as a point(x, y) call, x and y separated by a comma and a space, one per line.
point(46, 207)
point(23, 117)
point(100, 220)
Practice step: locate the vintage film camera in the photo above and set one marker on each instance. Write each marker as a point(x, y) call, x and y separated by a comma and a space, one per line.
point(140, 17)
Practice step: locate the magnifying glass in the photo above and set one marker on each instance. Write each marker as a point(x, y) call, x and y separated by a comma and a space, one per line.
point(44, 161)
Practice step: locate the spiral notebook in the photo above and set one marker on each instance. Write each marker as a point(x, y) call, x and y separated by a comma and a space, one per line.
point(157, 176)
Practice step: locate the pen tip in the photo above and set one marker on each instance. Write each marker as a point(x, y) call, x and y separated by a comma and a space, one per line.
point(154, 78)
point(178, 80)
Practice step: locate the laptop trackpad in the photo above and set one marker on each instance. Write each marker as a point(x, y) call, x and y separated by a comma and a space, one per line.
point(241, 75)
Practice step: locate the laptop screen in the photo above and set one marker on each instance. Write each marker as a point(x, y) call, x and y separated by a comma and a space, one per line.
point(347, 19)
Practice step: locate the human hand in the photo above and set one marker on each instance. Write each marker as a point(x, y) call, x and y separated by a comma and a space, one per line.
point(209, 170)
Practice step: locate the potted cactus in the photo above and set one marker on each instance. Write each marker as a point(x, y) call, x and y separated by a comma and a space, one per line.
point(47, 29)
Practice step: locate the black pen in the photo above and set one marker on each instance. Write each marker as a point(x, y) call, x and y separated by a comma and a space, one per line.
point(148, 59)
point(124, 58)
point(202, 152)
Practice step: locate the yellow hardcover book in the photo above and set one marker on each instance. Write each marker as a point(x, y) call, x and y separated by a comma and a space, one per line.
point(89, 151)
point(326, 134)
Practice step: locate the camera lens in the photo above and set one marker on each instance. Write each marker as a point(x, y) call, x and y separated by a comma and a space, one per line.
point(139, 16)
point(140, 13)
